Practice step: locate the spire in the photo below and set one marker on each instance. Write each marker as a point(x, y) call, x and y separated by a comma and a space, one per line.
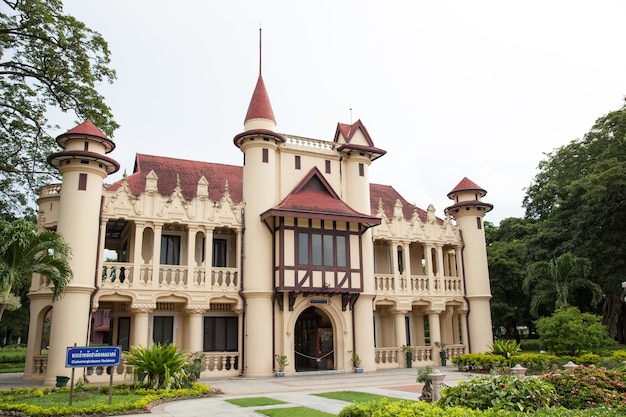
point(260, 114)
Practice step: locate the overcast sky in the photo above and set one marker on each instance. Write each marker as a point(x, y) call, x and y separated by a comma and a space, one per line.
point(450, 89)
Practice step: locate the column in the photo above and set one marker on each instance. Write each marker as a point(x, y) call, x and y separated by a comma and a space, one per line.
point(208, 258)
point(156, 256)
point(464, 335)
point(195, 329)
point(418, 325)
point(140, 326)
point(137, 253)
point(191, 256)
point(435, 333)
point(400, 334)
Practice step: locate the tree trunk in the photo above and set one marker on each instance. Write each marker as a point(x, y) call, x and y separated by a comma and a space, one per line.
point(613, 317)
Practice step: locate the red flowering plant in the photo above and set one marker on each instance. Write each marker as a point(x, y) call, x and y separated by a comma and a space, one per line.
point(588, 387)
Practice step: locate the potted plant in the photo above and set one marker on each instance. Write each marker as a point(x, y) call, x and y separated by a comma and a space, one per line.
point(281, 362)
point(442, 352)
point(356, 361)
point(423, 376)
point(408, 352)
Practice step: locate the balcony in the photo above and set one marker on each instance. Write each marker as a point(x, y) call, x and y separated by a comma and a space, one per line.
point(389, 284)
point(116, 275)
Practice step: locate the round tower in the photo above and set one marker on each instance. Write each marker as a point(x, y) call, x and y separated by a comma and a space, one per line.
point(83, 167)
point(259, 144)
point(468, 211)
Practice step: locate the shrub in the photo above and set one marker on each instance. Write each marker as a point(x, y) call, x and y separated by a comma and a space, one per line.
point(478, 362)
point(570, 332)
point(538, 363)
point(588, 359)
point(501, 392)
point(588, 387)
point(505, 348)
point(159, 366)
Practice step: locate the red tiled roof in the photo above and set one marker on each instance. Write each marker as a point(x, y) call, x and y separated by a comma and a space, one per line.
point(466, 185)
point(388, 195)
point(260, 106)
point(313, 197)
point(86, 128)
point(348, 131)
point(168, 170)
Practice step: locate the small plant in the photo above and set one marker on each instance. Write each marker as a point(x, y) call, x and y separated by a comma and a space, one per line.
point(423, 376)
point(159, 366)
point(505, 347)
point(281, 361)
point(500, 392)
point(356, 360)
point(406, 349)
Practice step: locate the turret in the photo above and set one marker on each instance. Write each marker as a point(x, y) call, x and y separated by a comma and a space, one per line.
point(83, 166)
point(468, 210)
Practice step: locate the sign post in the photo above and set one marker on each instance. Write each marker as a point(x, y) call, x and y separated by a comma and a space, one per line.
point(85, 356)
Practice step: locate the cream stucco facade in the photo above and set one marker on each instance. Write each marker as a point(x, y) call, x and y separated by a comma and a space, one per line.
point(294, 253)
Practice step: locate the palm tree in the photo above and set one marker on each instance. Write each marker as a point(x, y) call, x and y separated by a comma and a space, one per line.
point(23, 252)
point(555, 281)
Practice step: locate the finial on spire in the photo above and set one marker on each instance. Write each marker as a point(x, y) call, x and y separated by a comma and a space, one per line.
point(260, 48)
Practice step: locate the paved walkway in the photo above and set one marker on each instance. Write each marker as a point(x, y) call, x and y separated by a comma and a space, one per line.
point(296, 390)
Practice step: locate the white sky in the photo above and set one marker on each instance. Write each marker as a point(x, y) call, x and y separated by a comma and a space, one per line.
point(448, 88)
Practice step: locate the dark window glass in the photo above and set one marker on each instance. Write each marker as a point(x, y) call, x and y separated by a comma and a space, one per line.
point(361, 170)
point(219, 253)
point(170, 250)
point(163, 330)
point(329, 251)
point(341, 251)
point(220, 334)
point(82, 182)
point(266, 155)
point(297, 161)
point(316, 249)
point(303, 248)
point(328, 167)
point(479, 224)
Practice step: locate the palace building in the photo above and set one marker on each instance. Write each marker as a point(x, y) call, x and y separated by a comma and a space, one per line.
point(293, 253)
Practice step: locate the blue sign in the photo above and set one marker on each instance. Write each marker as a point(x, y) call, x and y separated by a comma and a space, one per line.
point(80, 357)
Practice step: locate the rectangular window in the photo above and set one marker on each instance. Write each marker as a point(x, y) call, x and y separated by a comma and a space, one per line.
point(170, 250)
point(361, 170)
point(297, 161)
point(327, 166)
point(163, 329)
point(341, 251)
point(86, 146)
point(303, 248)
point(123, 333)
point(328, 249)
point(82, 182)
point(316, 249)
point(479, 224)
point(220, 334)
point(266, 155)
point(219, 253)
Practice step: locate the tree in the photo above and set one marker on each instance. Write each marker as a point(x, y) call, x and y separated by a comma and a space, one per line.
point(48, 61)
point(570, 332)
point(578, 200)
point(554, 282)
point(507, 258)
point(23, 252)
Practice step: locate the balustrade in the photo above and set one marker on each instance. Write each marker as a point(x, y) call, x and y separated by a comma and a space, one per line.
point(418, 285)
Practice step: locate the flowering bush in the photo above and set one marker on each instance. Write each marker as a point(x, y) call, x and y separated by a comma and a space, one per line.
point(589, 387)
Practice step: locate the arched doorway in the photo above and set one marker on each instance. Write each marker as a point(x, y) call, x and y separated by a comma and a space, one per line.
point(314, 341)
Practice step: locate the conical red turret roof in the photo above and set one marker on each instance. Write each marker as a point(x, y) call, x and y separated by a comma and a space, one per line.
point(260, 106)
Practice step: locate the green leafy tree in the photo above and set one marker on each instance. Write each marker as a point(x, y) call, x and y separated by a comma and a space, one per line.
point(578, 199)
point(23, 252)
point(48, 61)
point(554, 282)
point(507, 258)
point(570, 332)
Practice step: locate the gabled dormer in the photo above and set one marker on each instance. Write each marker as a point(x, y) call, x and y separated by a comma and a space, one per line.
point(355, 137)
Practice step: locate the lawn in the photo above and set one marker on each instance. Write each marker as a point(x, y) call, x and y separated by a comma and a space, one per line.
point(354, 396)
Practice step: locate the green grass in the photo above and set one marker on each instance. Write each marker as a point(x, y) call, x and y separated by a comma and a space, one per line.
point(254, 401)
point(294, 411)
point(354, 396)
point(81, 399)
